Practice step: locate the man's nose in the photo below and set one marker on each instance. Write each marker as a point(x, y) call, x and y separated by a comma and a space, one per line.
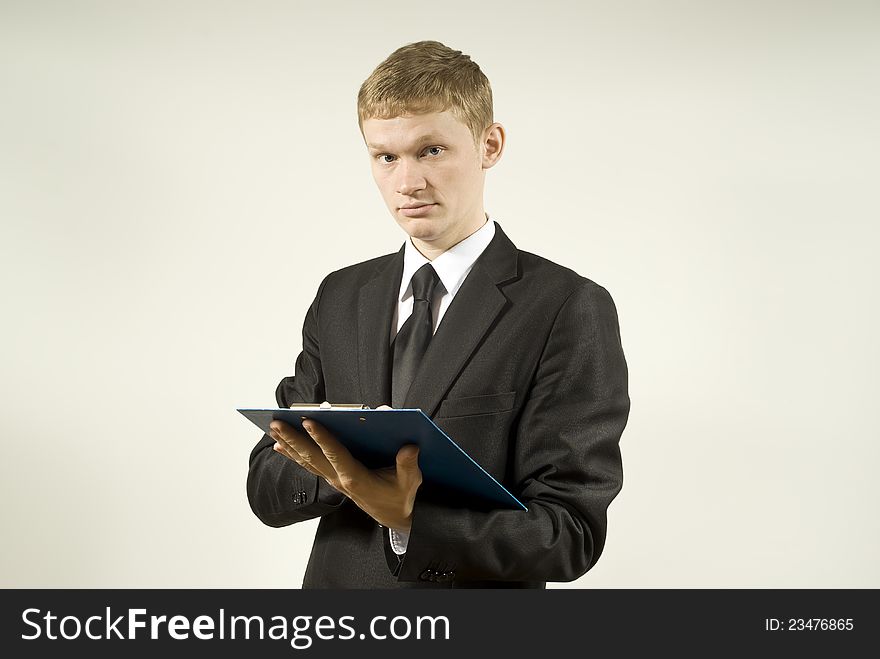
point(409, 178)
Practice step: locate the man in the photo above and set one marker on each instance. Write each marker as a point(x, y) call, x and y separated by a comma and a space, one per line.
point(516, 358)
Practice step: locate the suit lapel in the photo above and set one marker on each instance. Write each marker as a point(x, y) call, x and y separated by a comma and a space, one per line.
point(472, 313)
point(376, 303)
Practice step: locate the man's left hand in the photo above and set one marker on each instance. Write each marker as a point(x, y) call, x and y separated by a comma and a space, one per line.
point(387, 495)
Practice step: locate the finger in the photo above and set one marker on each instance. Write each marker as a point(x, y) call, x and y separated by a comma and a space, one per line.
point(283, 449)
point(408, 472)
point(282, 434)
point(302, 450)
point(286, 435)
point(280, 426)
point(295, 440)
point(346, 467)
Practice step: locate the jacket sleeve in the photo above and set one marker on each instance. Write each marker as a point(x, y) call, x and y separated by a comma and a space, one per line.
point(566, 465)
point(281, 492)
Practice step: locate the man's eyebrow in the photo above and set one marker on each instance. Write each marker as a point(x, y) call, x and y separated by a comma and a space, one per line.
point(430, 137)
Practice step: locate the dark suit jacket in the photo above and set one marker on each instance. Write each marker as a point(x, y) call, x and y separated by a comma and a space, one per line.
point(525, 372)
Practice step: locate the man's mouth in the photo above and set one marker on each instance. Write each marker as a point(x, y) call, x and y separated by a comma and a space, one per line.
point(416, 210)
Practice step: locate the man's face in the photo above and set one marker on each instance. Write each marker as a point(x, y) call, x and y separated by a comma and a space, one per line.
point(428, 160)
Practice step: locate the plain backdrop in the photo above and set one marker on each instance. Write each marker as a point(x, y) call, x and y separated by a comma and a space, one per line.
point(176, 178)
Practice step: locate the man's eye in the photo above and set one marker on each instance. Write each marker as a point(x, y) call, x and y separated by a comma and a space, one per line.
point(438, 150)
point(385, 155)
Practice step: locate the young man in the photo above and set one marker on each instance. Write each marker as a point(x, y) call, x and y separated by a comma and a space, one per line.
point(518, 359)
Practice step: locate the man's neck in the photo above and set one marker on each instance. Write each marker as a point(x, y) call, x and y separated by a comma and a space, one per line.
point(431, 250)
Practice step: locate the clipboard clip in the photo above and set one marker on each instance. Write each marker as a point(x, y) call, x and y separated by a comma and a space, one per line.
point(330, 406)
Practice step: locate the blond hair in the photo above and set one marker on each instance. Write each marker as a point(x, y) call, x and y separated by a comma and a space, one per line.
point(423, 77)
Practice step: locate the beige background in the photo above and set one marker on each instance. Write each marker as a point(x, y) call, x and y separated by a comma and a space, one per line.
point(177, 177)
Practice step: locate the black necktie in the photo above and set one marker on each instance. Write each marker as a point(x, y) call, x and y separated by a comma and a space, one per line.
point(413, 338)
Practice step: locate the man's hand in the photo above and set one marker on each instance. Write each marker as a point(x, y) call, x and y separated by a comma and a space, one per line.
point(386, 495)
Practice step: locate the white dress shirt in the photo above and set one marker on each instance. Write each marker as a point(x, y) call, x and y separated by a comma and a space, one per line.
point(452, 267)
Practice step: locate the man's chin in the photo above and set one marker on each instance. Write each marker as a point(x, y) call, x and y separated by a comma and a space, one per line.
point(421, 228)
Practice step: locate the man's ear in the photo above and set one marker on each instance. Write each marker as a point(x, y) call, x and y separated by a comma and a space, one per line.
point(492, 145)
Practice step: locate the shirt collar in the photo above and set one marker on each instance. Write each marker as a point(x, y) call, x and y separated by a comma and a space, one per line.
point(453, 265)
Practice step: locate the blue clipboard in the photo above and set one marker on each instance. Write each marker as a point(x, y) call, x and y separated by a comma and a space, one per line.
point(375, 436)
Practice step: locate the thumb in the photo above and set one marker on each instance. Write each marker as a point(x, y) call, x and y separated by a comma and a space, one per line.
point(408, 464)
